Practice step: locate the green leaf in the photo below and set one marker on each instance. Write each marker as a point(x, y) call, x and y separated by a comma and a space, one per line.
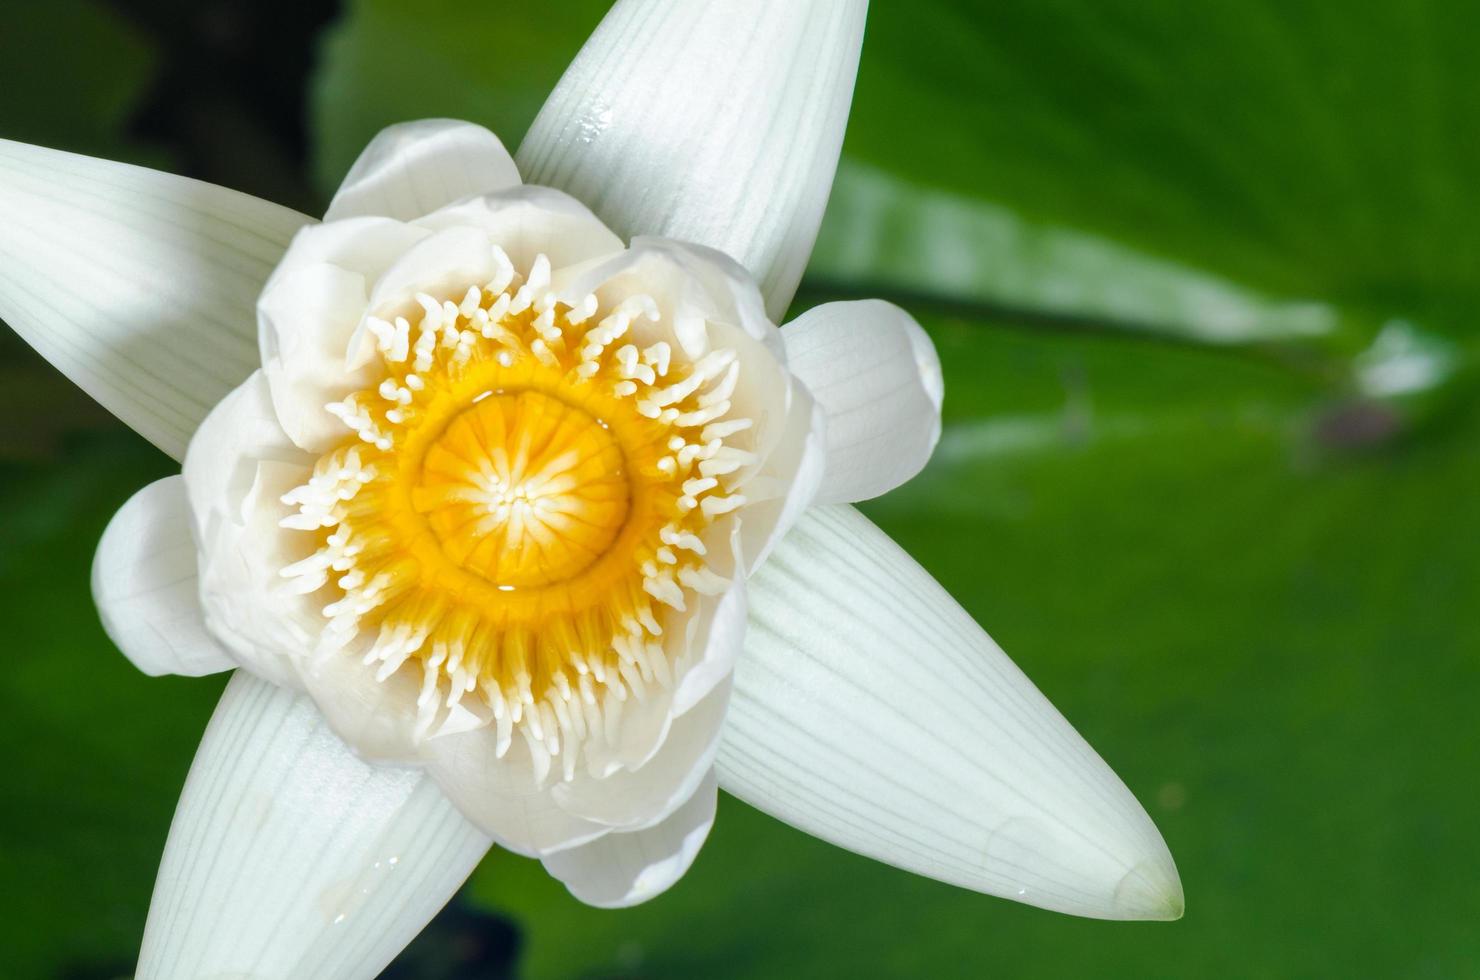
point(1312, 151)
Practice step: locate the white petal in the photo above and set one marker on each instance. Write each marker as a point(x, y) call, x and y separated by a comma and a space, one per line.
point(238, 466)
point(144, 583)
point(309, 312)
point(714, 123)
point(137, 285)
point(648, 794)
point(691, 282)
point(241, 430)
point(657, 746)
point(500, 795)
point(530, 221)
point(377, 717)
point(702, 644)
point(714, 638)
point(623, 869)
point(414, 168)
point(875, 373)
point(289, 857)
point(442, 264)
point(871, 711)
point(787, 485)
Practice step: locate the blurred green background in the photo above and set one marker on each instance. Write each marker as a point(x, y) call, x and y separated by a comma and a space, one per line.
point(1204, 280)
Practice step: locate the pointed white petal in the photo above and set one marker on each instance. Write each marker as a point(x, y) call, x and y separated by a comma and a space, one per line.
point(139, 286)
point(619, 870)
point(875, 373)
point(871, 711)
point(289, 857)
point(144, 582)
point(414, 168)
point(713, 123)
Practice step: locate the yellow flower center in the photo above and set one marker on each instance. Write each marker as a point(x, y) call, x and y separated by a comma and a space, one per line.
point(523, 489)
point(521, 506)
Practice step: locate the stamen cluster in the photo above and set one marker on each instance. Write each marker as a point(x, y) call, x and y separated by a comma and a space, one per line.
point(523, 508)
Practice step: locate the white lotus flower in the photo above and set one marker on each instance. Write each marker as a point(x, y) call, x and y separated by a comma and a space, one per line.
point(493, 497)
point(490, 503)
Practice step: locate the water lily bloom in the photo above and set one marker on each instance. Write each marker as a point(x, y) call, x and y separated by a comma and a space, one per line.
point(524, 522)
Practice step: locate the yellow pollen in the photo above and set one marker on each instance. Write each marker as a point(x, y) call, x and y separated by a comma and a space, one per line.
point(521, 508)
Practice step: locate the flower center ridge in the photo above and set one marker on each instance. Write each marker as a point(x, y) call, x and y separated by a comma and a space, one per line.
point(523, 489)
point(528, 499)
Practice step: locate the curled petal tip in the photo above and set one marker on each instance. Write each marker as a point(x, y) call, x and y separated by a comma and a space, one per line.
point(1069, 856)
point(1152, 891)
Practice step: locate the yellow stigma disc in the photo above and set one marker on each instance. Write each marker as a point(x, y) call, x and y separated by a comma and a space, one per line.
point(523, 489)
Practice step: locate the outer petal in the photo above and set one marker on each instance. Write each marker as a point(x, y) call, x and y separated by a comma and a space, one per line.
point(414, 168)
point(625, 869)
point(289, 857)
point(875, 373)
point(715, 123)
point(137, 285)
point(871, 711)
point(143, 580)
